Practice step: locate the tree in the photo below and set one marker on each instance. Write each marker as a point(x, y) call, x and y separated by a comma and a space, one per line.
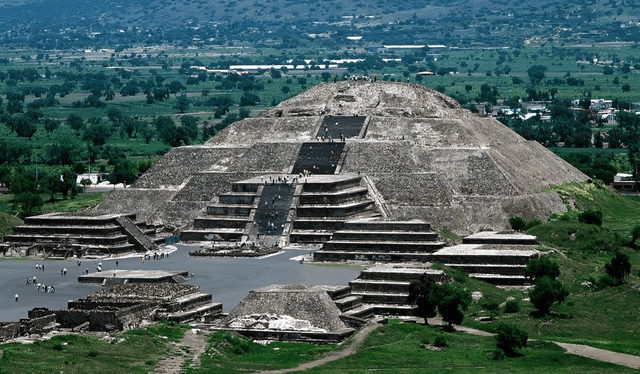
point(97, 133)
point(30, 203)
point(536, 73)
point(492, 307)
point(147, 132)
point(451, 301)
point(75, 122)
point(546, 292)
point(421, 293)
point(188, 128)
point(537, 269)
point(635, 234)
point(248, 99)
point(510, 337)
point(619, 267)
point(183, 103)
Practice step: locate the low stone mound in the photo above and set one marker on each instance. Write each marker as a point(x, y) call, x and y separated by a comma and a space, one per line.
point(143, 291)
point(287, 308)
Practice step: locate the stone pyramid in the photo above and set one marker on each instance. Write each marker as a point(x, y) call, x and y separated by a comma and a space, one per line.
point(419, 153)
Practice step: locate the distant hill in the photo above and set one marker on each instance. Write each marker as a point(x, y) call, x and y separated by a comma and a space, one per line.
point(453, 22)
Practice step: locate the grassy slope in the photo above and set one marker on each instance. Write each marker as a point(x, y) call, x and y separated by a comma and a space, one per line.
point(7, 221)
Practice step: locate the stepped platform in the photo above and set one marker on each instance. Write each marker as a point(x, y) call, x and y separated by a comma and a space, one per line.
point(381, 246)
point(342, 210)
point(476, 254)
point(334, 197)
point(340, 256)
point(493, 237)
point(403, 273)
point(134, 276)
point(378, 286)
point(387, 236)
point(62, 235)
point(229, 210)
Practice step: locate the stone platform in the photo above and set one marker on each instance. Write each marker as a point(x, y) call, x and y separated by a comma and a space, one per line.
point(134, 276)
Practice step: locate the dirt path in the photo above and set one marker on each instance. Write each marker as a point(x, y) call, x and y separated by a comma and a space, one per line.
point(196, 345)
point(331, 356)
point(601, 354)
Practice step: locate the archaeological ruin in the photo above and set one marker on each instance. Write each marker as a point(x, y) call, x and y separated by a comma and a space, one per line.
point(364, 172)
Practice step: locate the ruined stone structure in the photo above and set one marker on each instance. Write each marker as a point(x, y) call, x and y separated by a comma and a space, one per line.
point(127, 306)
point(391, 151)
point(64, 235)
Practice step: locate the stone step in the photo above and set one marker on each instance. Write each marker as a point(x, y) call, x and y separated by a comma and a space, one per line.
point(336, 256)
point(348, 303)
point(362, 311)
point(382, 246)
point(191, 301)
point(400, 274)
point(334, 197)
point(63, 239)
point(237, 198)
point(387, 226)
point(201, 235)
point(401, 298)
point(220, 222)
point(388, 236)
point(378, 286)
point(471, 254)
point(502, 280)
point(492, 237)
point(107, 229)
point(342, 210)
point(229, 210)
point(298, 236)
point(330, 225)
point(490, 268)
point(135, 235)
point(337, 292)
point(212, 308)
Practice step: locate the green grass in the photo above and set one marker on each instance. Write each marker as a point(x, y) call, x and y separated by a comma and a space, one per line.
point(399, 348)
point(7, 221)
point(138, 353)
point(233, 353)
point(619, 213)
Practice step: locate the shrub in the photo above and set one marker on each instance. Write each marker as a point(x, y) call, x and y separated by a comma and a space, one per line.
point(591, 217)
point(512, 306)
point(440, 341)
point(537, 269)
point(546, 292)
point(517, 223)
point(498, 354)
point(460, 275)
point(619, 267)
point(510, 337)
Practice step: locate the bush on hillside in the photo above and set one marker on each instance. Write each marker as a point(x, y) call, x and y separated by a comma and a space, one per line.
point(512, 306)
point(619, 267)
point(517, 223)
point(538, 268)
point(591, 217)
point(510, 337)
point(546, 292)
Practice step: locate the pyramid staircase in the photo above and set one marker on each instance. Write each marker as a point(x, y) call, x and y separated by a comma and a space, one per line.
point(57, 235)
point(497, 258)
point(381, 290)
point(383, 241)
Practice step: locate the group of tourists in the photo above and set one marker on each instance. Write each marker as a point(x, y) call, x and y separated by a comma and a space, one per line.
point(40, 287)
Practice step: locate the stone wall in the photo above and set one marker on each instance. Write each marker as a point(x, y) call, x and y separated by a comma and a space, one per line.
point(130, 200)
point(179, 163)
point(267, 157)
point(9, 330)
point(250, 131)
